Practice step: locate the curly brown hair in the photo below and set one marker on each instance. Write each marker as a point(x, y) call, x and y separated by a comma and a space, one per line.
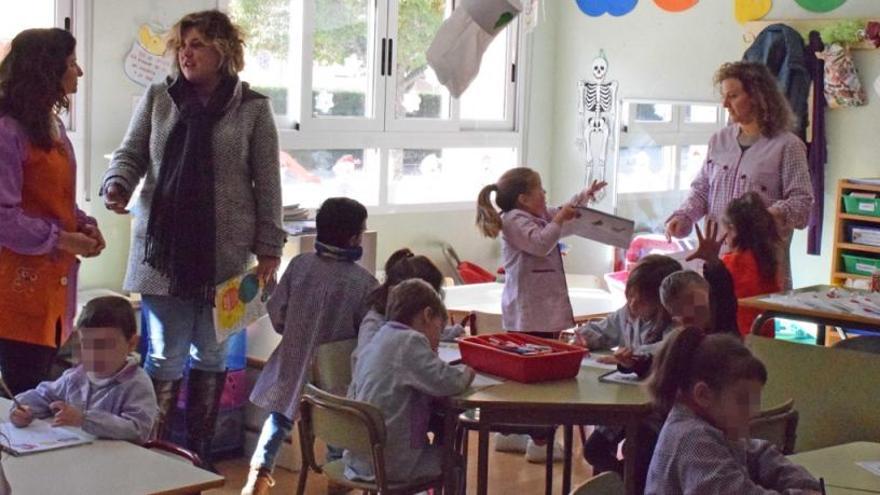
point(772, 111)
point(219, 31)
point(30, 81)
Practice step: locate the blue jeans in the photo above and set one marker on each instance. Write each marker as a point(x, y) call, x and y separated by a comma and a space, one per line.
point(275, 429)
point(180, 328)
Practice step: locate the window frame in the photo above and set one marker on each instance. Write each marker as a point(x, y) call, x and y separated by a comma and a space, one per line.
point(310, 133)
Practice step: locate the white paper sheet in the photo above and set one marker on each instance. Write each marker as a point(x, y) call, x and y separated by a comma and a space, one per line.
point(602, 227)
point(40, 436)
point(592, 362)
point(482, 380)
point(872, 466)
point(449, 353)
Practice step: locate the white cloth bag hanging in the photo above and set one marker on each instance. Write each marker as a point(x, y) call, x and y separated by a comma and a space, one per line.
point(458, 47)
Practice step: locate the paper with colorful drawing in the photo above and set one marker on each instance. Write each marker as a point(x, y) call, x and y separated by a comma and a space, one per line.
point(836, 300)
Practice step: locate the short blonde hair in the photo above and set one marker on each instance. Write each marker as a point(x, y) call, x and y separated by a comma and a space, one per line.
point(219, 31)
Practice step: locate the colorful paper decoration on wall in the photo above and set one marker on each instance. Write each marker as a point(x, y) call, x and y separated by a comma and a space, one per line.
point(751, 10)
point(820, 5)
point(675, 5)
point(145, 62)
point(617, 8)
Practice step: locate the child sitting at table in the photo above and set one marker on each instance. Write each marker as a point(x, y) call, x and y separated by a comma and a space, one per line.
point(321, 298)
point(753, 259)
point(711, 387)
point(401, 265)
point(108, 394)
point(398, 372)
point(636, 330)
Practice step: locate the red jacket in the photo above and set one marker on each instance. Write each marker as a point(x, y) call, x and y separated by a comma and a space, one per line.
point(747, 282)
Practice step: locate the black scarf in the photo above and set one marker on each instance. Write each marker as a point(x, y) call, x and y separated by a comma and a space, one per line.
point(180, 241)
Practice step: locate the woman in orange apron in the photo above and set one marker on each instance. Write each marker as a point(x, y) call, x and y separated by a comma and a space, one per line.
point(42, 231)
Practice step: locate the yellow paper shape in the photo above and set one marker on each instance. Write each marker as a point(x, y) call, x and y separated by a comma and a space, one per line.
point(751, 10)
point(151, 41)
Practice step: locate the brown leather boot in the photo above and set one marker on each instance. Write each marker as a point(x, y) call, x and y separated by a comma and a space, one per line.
point(202, 405)
point(166, 397)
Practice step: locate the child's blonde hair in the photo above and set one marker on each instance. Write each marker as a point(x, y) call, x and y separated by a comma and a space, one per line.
point(689, 356)
point(408, 298)
point(512, 183)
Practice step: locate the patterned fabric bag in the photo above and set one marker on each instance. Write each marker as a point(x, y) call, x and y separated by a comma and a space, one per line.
point(842, 85)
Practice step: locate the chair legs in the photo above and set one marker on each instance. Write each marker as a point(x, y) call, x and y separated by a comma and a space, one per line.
point(301, 479)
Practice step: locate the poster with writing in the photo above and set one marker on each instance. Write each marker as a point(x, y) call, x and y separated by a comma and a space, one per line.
point(146, 62)
point(238, 302)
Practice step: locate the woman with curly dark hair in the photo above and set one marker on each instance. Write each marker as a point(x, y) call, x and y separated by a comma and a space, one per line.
point(41, 229)
point(755, 153)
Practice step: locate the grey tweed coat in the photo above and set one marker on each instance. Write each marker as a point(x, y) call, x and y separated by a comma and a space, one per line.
point(247, 188)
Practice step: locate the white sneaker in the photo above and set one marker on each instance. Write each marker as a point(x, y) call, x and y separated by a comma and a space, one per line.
point(511, 443)
point(538, 453)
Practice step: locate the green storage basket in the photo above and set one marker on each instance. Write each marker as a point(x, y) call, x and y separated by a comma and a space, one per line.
point(861, 206)
point(860, 265)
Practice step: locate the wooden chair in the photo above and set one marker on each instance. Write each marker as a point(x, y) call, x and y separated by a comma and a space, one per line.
point(175, 451)
point(607, 483)
point(864, 343)
point(777, 425)
point(355, 426)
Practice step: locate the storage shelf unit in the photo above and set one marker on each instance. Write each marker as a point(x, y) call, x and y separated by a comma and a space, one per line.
point(842, 241)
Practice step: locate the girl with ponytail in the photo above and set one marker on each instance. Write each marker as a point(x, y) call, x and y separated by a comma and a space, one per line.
point(711, 385)
point(535, 297)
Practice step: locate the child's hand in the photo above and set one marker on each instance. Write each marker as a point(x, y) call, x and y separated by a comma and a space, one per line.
point(625, 357)
point(708, 246)
point(566, 213)
point(606, 359)
point(595, 187)
point(21, 416)
point(470, 374)
point(66, 414)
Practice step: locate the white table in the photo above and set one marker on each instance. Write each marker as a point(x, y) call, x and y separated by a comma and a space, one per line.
point(104, 466)
point(486, 298)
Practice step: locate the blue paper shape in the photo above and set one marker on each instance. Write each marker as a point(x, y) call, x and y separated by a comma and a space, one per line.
point(617, 8)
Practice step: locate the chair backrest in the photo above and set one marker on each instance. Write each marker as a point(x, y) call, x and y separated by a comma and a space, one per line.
point(831, 387)
point(778, 425)
point(607, 483)
point(331, 369)
point(485, 323)
point(343, 423)
point(864, 343)
point(174, 451)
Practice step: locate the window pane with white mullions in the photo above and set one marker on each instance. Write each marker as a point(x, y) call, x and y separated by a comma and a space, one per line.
point(448, 175)
point(646, 169)
point(15, 17)
point(308, 177)
point(692, 158)
point(417, 92)
point(701, 114)
point(342, 68)
point(653, 112)
point(486, 97)
point(270, 61)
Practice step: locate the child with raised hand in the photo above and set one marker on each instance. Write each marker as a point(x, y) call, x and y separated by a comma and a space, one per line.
point(711, 387)
point(401, 265)
point(706, 302)
point(321, 298)
point(753, 260)
point(108, 394)
point(399, 372)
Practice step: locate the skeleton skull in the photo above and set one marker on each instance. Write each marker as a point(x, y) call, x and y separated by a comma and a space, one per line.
point(600, 68)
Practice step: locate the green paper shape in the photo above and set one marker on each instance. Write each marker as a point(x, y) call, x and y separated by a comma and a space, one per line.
point(504, 20)
point(820, 5)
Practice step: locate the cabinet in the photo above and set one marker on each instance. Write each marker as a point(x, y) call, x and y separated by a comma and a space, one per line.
point(855, 258)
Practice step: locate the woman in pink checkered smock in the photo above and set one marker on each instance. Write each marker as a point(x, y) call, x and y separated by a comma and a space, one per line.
point(756, 152)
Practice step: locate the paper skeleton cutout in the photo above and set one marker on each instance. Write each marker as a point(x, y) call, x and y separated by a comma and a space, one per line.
point(597, 118)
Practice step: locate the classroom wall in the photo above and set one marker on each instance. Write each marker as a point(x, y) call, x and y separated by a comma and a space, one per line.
point(114, 26)
point(656, 54)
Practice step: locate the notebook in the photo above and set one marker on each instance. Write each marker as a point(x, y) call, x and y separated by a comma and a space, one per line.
point(40, 436)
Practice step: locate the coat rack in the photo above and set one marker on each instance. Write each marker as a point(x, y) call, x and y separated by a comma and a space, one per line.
point(803, 26)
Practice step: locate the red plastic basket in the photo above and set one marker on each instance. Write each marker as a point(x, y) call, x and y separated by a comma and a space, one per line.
point(562, 363)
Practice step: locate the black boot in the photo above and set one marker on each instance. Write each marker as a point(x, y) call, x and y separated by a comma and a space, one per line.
point(202, 405)
point(166, 397)
point(601, 453)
